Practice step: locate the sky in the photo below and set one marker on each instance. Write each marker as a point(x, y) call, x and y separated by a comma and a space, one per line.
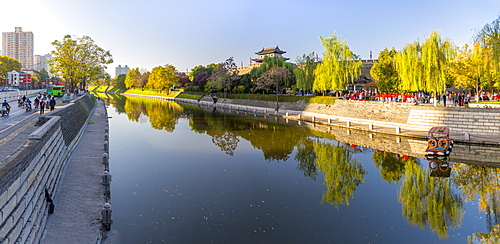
point(187, 33)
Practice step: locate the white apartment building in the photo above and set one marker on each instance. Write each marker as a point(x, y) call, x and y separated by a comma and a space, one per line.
point(121, 70)
point(19, 45)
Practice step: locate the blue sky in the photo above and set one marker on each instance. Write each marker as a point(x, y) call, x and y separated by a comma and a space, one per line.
point(187, 33)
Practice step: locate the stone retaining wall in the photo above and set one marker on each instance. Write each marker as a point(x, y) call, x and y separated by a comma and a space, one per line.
point(478, 121)
point(37, 167)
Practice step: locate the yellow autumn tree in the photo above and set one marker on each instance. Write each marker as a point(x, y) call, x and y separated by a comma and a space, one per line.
point(475, 68)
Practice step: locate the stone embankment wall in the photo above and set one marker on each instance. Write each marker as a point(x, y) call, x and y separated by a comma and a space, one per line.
point(35, 170)
point(476, 121)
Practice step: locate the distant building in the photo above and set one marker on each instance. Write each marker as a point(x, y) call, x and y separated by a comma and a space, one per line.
point(122, 70)
point(14, 77)
point(265, 52)
point(19, 45)
point(269, 52)
point(41, 62)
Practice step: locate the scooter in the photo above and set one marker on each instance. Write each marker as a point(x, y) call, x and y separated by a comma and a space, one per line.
point(28, 107)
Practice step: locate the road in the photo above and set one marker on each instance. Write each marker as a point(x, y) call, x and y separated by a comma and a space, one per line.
point(17, 114)
point(16, 127)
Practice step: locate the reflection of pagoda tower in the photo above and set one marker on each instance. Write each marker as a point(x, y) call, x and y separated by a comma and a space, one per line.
point(269, 52)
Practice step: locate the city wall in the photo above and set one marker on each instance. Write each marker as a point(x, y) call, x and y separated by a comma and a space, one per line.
point(30, 176)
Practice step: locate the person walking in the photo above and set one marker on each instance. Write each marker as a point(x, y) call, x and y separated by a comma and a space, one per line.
point(52, 104)
point(42, 106)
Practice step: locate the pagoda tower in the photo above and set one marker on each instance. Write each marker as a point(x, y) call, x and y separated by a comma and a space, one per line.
point(269, 52)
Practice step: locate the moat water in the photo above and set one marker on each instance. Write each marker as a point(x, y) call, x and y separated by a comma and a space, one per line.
point(183, 174)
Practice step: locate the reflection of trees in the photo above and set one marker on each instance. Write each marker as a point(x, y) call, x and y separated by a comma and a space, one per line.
point(162, 115)
point(226, 141)
point(430, 200)
point(477, 181)
point(392, 165)
point(342, 173)
point(275, 140)
point(306, 156)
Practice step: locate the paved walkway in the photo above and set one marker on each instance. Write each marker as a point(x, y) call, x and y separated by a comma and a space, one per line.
point(80, 196)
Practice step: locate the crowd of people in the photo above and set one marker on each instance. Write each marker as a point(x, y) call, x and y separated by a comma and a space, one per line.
point(446, 99)
point(41, 102)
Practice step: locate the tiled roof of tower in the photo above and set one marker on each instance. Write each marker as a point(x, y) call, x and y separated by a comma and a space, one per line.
point(270, 50)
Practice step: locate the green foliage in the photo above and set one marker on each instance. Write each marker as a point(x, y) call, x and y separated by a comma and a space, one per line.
point(489, 37)
point(162, 78)
point(340, 66)
point(239, 89)
point(223, 76)
point(120, 82)
point(424, 67)
point(201, 69)
point(430, 200)
point(189, 96)
point(192, 88)
point(133, 78)
point(474, 68)
point(78, 59)
point(270, 62)
point(7, 64)
point(304, 74)
point(342, 173)
point(275, 76)
point(384, 71)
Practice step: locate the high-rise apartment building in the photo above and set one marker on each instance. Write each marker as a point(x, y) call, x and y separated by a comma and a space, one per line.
point(121, 70)
point(41, 62)
point(19, 45)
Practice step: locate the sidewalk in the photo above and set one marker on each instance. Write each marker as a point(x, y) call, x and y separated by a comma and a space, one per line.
point(80, 195)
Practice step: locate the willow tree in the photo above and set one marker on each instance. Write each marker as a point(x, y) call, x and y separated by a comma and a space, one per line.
point(489, 37)
point(342, 173)
point(304, 74)
point(340, 66)
point(271, 62)
point(423, 67)
point(430, 201)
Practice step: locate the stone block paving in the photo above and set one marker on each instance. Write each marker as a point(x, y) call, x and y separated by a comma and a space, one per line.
point(80, 196)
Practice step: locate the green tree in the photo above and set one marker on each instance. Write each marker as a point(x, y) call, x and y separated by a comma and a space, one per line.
point(270, 62)
point(384, 71)
point(342, 173)
point(76, 60)
point(274, 76)
point(7, 64)
point(201, 69)
point(133, 78)
point(489, 37)
point(119, 82)
point(223, 76)
point(144, 79)
point(430, 201)
point(162, 78)
point(392, 167)
point(424, 67)
point(340, 66)
point(304, 74)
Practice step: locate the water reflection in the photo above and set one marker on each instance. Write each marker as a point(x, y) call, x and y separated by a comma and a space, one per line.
point(431, 195)
point(342, 173)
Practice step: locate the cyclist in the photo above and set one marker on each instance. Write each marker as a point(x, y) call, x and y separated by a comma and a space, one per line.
point(6, 105)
